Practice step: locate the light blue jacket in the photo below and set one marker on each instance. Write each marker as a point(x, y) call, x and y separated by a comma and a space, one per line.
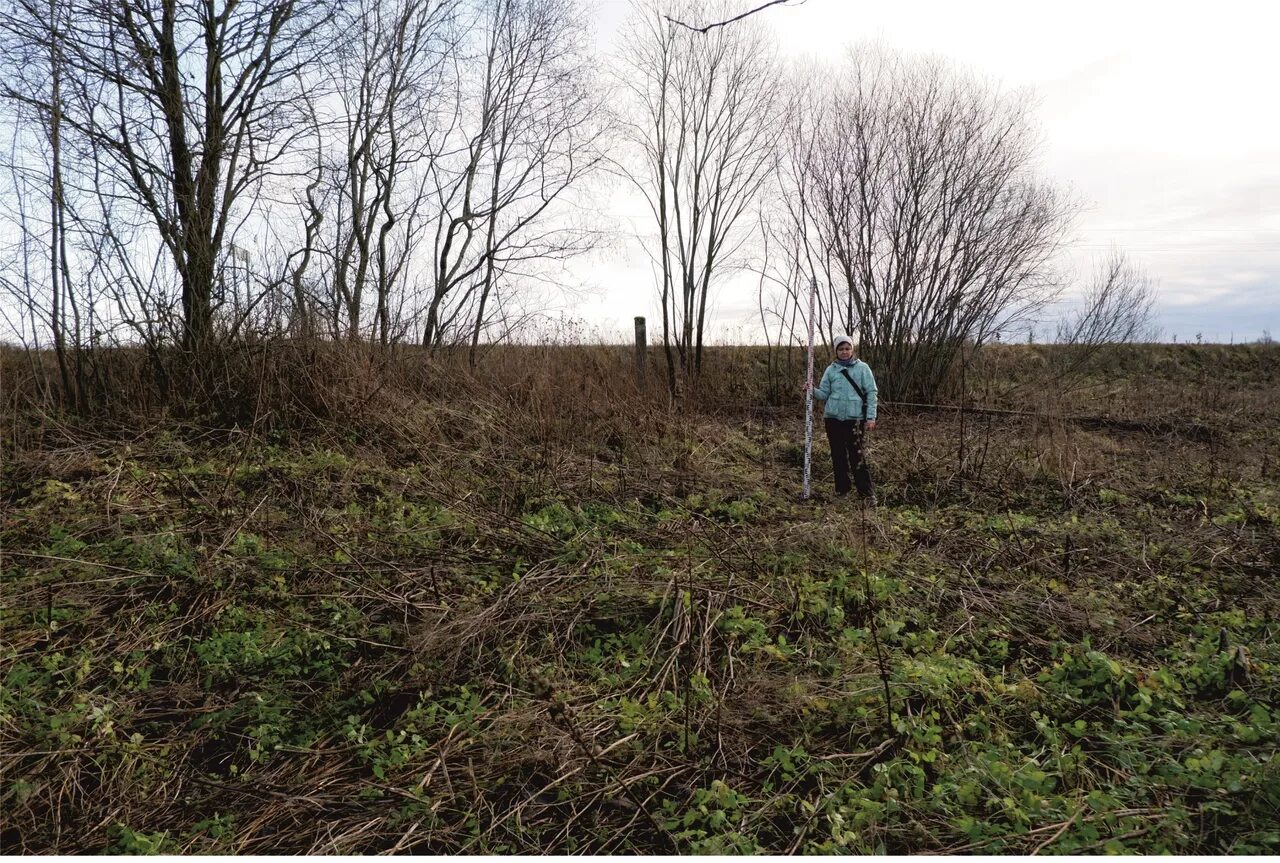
point(842, 399)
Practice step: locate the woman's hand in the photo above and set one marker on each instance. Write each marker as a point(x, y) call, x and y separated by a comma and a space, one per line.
point(871, 425)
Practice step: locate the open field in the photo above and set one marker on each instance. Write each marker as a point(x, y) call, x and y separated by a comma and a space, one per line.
point(537, 611)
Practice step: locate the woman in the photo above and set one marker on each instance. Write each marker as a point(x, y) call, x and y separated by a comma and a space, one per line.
point(849, 390)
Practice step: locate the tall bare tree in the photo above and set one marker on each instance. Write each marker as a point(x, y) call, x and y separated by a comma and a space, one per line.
point(389, 71)
point(931, 227)
point(704, 123)
point(187, 106)
point(28, 47)
point(527, 127)
point(793, 248)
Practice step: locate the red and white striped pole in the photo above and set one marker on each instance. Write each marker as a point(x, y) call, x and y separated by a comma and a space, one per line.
point(808, 395)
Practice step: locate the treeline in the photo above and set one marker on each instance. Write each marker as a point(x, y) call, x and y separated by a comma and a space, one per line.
point(182, 176)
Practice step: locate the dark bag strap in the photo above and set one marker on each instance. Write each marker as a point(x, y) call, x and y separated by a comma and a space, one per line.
point(862, 394)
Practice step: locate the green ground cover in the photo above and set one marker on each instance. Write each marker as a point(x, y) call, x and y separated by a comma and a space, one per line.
point(469, 630)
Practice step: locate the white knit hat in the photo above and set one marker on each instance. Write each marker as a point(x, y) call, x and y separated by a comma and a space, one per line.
point(835, 343)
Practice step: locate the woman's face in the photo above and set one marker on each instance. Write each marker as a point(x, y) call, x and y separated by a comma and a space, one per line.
point(845, 351)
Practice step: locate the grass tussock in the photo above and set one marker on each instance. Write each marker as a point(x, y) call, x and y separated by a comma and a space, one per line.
point(371, 603)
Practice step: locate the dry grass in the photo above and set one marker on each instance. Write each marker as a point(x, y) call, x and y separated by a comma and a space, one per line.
point(383, 604)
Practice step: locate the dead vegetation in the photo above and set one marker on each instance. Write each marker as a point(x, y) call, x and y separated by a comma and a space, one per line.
point(386, 606)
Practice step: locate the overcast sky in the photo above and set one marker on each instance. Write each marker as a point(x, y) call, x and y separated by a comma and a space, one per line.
point(1161, 116)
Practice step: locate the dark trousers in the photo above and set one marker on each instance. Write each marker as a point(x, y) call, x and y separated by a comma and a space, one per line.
point(846, 439)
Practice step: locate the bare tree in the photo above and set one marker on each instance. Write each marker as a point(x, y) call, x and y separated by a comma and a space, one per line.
point(796, 250)
point(29, 313)
point(527, 127)
point(929, 221)
point(294, 269)
point(705, 119)
point(1117, 306)
point(388, 72)
point(184, 106)
point(1116, 309)
point(447, 132)
point(25, 46)
point(103, 276)
point(781, 294)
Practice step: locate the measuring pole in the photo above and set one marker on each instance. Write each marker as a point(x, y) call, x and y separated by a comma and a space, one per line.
point(808, 395)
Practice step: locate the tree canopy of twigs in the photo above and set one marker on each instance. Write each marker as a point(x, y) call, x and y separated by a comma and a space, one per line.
point(703, 127)
point(374, 171)
point(1115, 309)
point(182, 175)
point(177, 112)
point(908, 191)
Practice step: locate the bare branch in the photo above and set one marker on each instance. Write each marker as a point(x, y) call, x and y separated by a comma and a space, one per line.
point(735, 18)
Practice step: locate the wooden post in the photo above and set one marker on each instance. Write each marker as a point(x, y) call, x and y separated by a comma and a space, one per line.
point(642, 347)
